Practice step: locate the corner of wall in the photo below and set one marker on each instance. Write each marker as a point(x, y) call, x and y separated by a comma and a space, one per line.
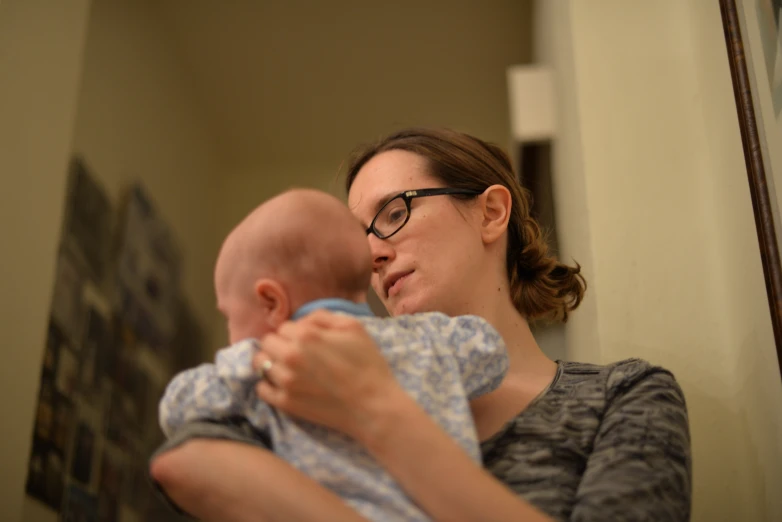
point(553, 45)
point(41, 57)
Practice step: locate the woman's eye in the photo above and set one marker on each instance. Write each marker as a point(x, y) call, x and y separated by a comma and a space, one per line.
point(396, 215)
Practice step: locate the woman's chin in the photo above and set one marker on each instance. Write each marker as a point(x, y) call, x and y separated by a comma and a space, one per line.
point(398, 307)
point(406, 305)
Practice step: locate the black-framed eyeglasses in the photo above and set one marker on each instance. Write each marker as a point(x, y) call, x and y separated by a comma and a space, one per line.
point(396, 212)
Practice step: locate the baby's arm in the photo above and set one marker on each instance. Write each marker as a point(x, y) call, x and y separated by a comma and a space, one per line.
point(214, 392)
point(481, 353)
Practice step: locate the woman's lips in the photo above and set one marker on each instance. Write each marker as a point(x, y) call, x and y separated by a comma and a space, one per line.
point(397, 286)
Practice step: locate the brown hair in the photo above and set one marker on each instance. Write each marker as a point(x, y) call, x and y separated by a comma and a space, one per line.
point(540, 286)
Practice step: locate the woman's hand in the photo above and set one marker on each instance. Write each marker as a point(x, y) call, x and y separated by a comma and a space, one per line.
point(326, 369)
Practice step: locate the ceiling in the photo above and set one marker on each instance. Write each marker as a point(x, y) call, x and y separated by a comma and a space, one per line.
point(304, 81)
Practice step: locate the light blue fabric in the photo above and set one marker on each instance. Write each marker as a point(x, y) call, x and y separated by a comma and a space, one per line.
point(335, 305)
point(442, 362)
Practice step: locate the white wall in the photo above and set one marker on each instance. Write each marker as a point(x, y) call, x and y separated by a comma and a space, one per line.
point(763, 53)
point(553, 44)
point(123, 102)
point(650, 163)
point(41, 45)
point(756, 379)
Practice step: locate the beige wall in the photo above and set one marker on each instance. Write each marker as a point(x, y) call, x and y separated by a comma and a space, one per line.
point(283, 87)
point(138, 119)
point(41, 45)
point(115, 93)
point(649, 162)
point(651, 193)
point(126, 102)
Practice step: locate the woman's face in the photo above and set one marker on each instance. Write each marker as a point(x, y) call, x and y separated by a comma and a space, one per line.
point(432, 262)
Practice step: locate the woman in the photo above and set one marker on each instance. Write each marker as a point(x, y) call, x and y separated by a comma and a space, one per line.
point(561, 441)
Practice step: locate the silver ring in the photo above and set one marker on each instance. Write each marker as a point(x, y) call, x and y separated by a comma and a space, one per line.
point(264, 369)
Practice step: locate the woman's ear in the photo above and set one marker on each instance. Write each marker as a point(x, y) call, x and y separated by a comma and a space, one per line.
point(497, 204)
point(274, 301)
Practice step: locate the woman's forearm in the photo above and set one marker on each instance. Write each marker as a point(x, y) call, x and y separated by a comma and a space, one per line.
point(224, 481)
point(435, 471)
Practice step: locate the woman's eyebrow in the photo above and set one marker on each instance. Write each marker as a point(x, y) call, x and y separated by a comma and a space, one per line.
point(382, 201)
point(386, 198)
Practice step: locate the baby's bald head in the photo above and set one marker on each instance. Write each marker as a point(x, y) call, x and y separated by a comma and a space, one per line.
point(306, 240)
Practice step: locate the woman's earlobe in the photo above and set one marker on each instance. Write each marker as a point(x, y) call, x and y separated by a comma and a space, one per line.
point(497, 206)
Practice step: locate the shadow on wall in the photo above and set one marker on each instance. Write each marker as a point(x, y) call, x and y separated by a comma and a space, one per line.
point(375, 304)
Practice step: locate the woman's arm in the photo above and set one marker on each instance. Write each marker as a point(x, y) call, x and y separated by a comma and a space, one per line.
point(328, 370)
point(226, 481)
point(639, 469)
point(435, 471)
point(640, 466)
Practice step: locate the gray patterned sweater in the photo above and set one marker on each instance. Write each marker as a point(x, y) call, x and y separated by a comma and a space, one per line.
point(603, 443)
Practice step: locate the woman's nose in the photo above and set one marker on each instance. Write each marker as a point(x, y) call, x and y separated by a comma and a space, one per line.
point(381, 250)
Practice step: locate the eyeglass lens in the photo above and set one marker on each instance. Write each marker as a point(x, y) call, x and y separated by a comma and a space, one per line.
point(391, 217)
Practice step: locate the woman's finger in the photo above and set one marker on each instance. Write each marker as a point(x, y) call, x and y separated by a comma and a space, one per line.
point(262, 364)
point(287, 330)
point(272, 370)
point(325, 319)
point(270, 394)
point(319, 317)
point(276, 346)
point(272, 345)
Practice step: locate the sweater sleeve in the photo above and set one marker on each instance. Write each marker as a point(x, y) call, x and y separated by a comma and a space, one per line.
point(640, 467)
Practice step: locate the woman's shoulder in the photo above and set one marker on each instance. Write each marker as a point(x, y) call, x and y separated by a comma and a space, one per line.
point(621, 406)
point(583, 395)
point(630, 366)
point(629, 377)
point(599, 417)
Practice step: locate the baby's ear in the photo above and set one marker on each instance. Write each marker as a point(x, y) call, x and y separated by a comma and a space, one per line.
point(274, 301)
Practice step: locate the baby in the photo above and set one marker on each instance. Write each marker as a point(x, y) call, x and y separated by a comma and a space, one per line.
point(298, 252)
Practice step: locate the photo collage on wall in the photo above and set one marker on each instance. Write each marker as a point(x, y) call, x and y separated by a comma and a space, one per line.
point(118, 330)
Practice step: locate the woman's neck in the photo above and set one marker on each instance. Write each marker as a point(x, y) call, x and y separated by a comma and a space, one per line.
point(530, 372)
point(489, 297)
point(523, 350)
point(512, 326)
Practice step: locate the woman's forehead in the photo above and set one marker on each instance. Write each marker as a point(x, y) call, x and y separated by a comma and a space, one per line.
point(386, 175)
